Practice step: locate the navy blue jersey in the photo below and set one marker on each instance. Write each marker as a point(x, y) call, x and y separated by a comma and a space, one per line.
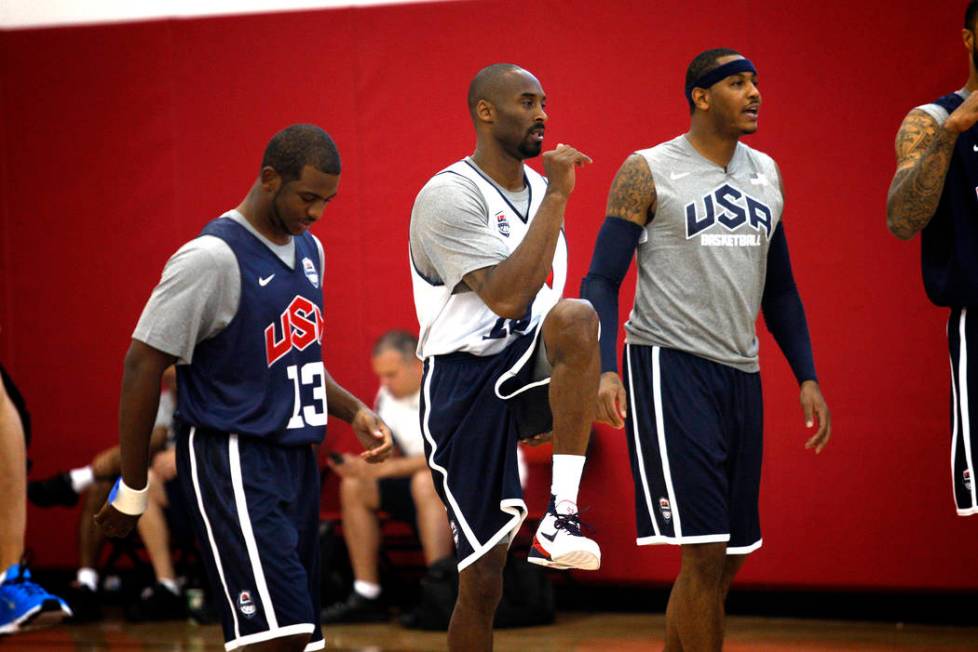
point(263, 375)
point(949, 243)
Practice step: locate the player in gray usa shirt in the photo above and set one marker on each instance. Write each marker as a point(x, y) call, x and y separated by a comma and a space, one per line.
point(704, 212)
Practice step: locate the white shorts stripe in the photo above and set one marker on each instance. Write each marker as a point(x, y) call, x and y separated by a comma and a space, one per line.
point(289, 630)
point(426, 428)
point(524, 359)
point(965, 415)
point(241, 503)
point(516, 508)
point(745, 550)
point(684, 541)
point(955, 408)
point(318, 645)
point(638, 446)
point(663, 452)
point(210, 532)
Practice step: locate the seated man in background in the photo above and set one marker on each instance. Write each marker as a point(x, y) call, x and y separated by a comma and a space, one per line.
point(23, 603)
point(93, 482)
point(402, 486)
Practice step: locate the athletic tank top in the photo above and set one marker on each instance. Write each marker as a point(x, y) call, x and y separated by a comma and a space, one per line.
point(461, 321)
point(702, 260)
point(263, 375)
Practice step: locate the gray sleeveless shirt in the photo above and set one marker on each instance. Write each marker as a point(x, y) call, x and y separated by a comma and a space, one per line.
point(702, 260)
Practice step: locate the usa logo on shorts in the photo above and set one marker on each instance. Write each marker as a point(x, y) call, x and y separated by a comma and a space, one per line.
point(967, 479)
point(665, 509)
point(246, 605)
point(502, 223)
point(310, 271)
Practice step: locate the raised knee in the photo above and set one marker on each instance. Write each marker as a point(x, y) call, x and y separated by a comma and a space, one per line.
point(575, 320)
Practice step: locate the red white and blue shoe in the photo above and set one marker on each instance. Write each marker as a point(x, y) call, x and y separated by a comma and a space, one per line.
point(559, 543)
point(25, 605)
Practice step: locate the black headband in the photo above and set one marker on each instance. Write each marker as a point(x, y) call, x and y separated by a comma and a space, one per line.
point(721, 72)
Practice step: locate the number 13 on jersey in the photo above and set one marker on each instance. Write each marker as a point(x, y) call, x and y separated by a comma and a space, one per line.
point(311, 374)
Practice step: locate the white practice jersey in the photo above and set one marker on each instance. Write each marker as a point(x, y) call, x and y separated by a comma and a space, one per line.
point(463, 221)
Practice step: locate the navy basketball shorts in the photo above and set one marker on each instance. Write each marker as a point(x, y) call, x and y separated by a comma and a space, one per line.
point(255, 512)
point(961, 329)
point(695, 432)
point(470, 422)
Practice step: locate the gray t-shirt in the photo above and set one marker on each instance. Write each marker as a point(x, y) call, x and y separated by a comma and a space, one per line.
point(702, 261)
point(199, 292)
point(449, 238)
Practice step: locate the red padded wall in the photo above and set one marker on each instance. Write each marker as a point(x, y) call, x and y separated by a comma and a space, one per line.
point(119, 142)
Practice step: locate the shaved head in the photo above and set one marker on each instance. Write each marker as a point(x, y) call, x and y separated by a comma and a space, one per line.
point(491, 82)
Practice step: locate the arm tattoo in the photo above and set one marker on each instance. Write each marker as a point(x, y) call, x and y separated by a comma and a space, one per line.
point(632, 195)
point(924, 150)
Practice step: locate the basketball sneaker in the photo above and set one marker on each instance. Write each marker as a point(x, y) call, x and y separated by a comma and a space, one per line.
point(559, 543)
point(157, 603)
point(25, 605)
point(355, 609)
point(53, 491)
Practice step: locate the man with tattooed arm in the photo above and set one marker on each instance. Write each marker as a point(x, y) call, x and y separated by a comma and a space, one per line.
point(701, 213)
point(935, 192)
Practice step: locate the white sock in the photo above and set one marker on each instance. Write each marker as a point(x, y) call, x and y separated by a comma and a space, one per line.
point(81, 479)
point(170, 585)
point(566, 479)
point(369, 590)
point(87, 577)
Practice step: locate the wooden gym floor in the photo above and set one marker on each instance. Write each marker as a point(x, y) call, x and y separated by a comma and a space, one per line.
point(574, 632)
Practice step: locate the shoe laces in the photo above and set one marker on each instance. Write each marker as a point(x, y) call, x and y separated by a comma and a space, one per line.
point(571, 523)
point(23, 580)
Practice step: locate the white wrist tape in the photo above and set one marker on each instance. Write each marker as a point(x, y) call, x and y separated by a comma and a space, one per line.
point(128, 500)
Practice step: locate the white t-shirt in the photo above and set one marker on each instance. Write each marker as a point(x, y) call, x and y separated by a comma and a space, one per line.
point(403, 417)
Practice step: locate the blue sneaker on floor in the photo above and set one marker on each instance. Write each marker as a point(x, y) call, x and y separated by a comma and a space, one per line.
point(25, 605)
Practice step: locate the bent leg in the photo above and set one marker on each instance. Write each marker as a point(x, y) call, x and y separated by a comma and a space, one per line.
point(480, 587)
point(155, 533)
point(570, 334)
point(359, 500)
point(90, 535)
point(433, 530)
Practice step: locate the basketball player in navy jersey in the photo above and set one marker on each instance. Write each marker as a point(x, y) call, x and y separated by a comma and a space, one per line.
point(240, 310)
point(704, 212)
point(504, 356)
point(934, 192)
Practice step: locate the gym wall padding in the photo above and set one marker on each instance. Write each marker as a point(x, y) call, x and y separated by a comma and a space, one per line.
point(120, 141)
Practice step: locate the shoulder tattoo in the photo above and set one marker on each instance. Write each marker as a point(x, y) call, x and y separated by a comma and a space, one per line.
point(632, 195)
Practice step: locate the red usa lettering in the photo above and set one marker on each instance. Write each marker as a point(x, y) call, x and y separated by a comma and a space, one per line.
point(300, 325)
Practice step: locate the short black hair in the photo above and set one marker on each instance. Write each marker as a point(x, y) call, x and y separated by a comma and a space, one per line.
point(486, 84)
point(401, 341)
point(970, 15)
point(703, 63)
point(300, 145)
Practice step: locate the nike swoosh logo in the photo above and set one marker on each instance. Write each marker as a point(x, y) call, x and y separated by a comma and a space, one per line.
point(265, 281)
point(549, 537)
point(678, 175)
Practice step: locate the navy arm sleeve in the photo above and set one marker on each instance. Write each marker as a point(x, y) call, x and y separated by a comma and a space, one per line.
point(783, 310)
point(612, 256)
